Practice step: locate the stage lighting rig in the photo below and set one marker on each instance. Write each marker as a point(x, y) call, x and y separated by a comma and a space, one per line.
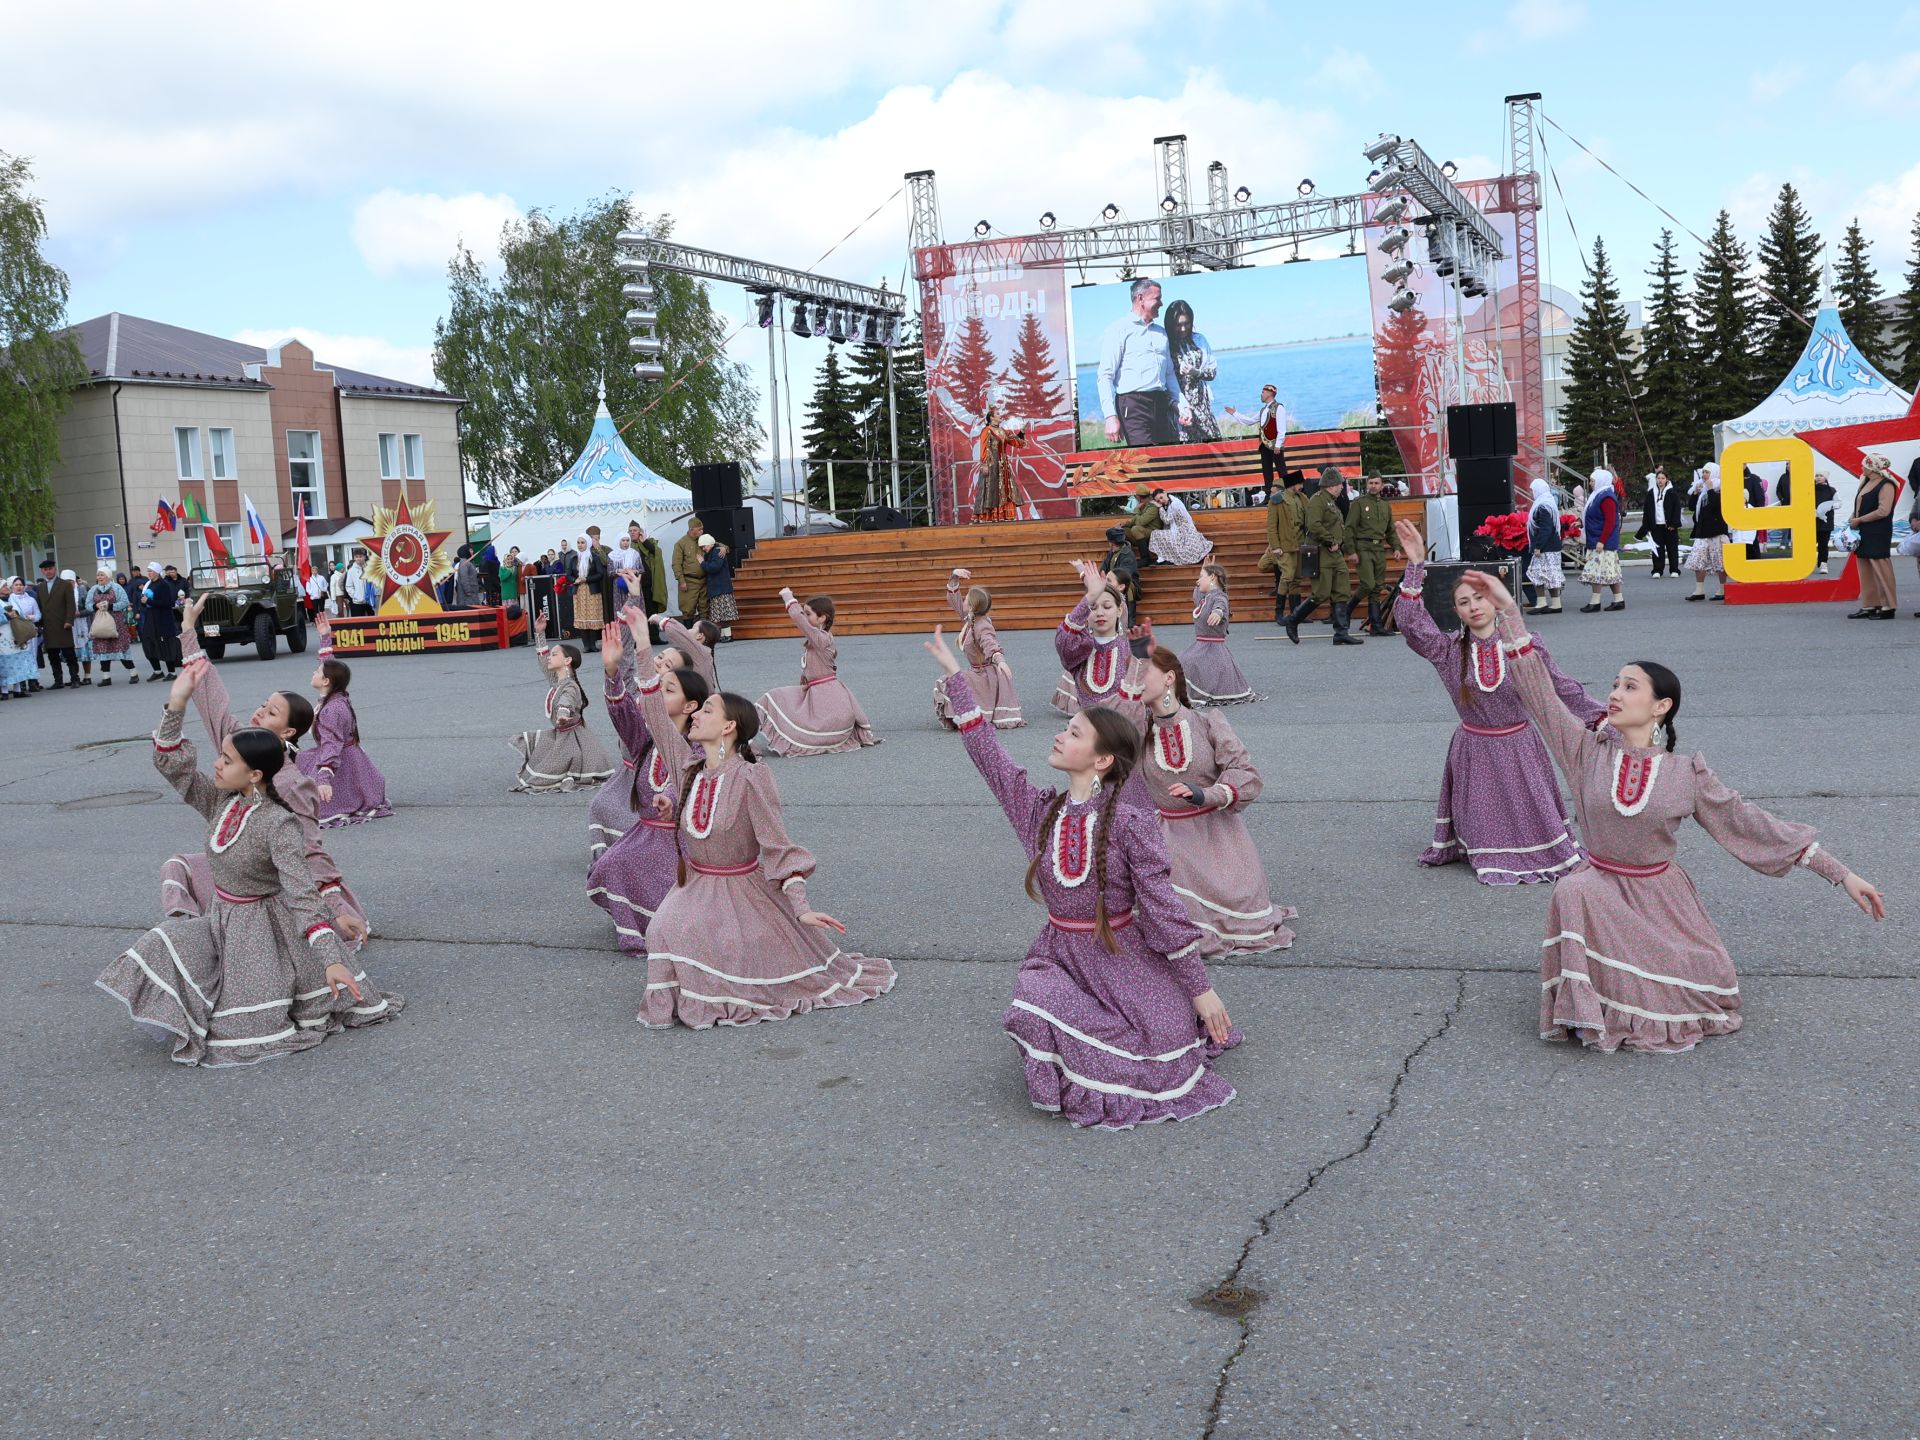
point(981, 229)
point(890, 331)
point(1305, 188)
point(1449, 169)
point(1383, 146)
point(763, 308)
point(1110, 212)
point(1168, 204)
point(1394, 241)
point(837, 329)
point(1402, 302)
point(820, 317)
point(1391, 211)
point(1047, 221)
point(872, 330)
point(801, 327)
point(644, 344)
point(1391, 178)
point(1397, 273)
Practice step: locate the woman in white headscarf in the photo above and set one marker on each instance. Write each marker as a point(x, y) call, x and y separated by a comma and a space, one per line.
point(16, 651)
point(1603, 525)
point(1709, 534)
point(1546, 570)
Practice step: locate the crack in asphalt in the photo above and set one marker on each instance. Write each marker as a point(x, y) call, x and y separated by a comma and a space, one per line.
point(1264, 1226)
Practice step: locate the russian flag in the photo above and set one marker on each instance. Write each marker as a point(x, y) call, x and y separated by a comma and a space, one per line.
point(164, 521)
point(256, 527)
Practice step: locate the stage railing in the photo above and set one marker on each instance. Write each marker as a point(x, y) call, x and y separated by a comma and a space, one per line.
point(853, 485)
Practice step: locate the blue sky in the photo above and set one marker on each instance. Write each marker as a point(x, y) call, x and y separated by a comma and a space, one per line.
point(250, 172)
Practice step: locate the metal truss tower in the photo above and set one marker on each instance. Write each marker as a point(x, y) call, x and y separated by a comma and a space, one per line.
point(1532, 460)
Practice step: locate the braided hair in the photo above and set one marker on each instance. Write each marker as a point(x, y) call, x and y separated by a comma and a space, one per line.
point(299, 718)
point(1165, 660)
point(1114, 737)
point(260, 749)
point(746, 724)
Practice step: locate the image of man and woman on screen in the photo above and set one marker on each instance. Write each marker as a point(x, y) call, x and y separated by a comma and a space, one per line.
point(1156, 376)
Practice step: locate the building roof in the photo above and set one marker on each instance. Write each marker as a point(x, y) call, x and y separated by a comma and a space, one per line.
point(130, 348)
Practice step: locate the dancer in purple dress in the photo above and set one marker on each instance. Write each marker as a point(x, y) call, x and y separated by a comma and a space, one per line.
point(735, 941)
point(1500, 807)
point(351, 787)
point(1199, 778)
point(634, 873)
point(1630, 956)
point(1212, 674)
point(612, 813)
point(186, 881)
point(1112, 1010)
point(987, 663)
point(1091, 643)
point(819, 716)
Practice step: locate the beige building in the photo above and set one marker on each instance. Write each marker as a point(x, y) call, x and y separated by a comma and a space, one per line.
point(171, 413)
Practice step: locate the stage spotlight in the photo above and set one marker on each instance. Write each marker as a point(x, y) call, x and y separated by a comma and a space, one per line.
point(1242, 195)
point(763, 305)
point(801, 327)
point(1047, 221)
point(1402, 302)
point(820, 318)
point(1449, 169)
point(1382, 147)
point(890, 332)
point(1305, 187)
point(837, 330)
point(1374, 174)
point(981, 229)
point(644, 347)
point(642, 319)
point(650, 370)
point(640, 294)
point(1110, 213)
point(1397, 273)
point(1392, 178)
point(1390, 212)
point(1394, 241)
point(1472, 288)
point(872, 330)
point(1169, 204)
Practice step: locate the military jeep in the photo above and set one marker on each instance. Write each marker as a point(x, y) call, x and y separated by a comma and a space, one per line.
point(249, 604)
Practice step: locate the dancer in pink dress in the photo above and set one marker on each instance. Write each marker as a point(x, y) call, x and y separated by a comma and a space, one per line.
point(1213, 675)
point(350, 785)
point(1500, 808)
point(987, 663)
point(566, 756)
point(735, 941)
point(819, 716)
point(1112, 1010)
point(1200, 779)
point(186, 881)
point(1091, 643)
point(634, 873)
point(1630, 956)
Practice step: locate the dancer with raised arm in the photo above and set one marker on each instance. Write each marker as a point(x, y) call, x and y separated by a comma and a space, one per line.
point(350, 786)
point(819, 716)
point(986, 661)
point(634, 873)
point(1091, 642)
point(262, 974)
point(186, 881)
point(735, 941)
point(1630, 956)
point(1500, 808)
point(567, 756)
point(1199, 777)
point(1112, 1010)
point(1213, 676)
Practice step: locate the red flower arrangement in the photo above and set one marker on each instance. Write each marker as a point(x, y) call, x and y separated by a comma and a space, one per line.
point(1570, 527)
point(1509, 532)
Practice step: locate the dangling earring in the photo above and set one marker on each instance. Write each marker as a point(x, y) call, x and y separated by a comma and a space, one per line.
point(1094, 789)
point(1168, 703)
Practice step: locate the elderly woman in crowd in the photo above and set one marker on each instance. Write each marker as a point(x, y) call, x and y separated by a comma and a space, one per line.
point(18, 618)
point(106, 605)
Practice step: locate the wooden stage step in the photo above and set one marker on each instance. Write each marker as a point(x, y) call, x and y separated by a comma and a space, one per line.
point(892, 582)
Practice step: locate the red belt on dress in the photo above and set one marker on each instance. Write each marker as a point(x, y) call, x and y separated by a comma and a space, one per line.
point(1188, 812)
point(1088, 927)
point(1632, 872)
point(746, 869)
point(651, 823)
point(823, 680)
point(238, 899)
point(1496, 731)
point(631, 764)
point(560, 725)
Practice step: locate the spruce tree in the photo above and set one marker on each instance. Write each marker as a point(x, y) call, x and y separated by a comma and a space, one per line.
point(1034, 391)
point(973, 368)
point(832, 434)
point(1905, 340)
point(867, 386)
point(1789, 289)
point(1598, 414)
point(1859, 290)
point(1723, 329)
point(1668, 381)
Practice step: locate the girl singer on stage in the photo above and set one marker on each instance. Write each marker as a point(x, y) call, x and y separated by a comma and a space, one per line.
point(987, 663)
point(1630, 956)
point(262, 973)
point(1112, 1009)
point(819, 716)
point(567, 756)
point(996, 494)
point(1090, 643)
point(1500, 808)
point(1213, 675)
point(735, 941)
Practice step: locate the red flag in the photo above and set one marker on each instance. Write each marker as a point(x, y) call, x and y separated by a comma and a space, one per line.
point(300, 546)
point(217, 552)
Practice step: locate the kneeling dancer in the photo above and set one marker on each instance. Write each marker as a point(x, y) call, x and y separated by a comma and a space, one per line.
point(568, 755)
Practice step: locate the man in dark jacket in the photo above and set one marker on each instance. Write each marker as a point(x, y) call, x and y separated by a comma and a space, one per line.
point(59, 604)
point(1756, 497)
point(1121, 563)
point(160, 628)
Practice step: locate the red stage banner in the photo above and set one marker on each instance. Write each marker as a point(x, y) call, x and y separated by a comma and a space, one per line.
point(996, 337)
point(1215, 465)
point(416, 634)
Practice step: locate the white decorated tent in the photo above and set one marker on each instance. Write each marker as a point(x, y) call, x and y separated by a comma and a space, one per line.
point(607, 486)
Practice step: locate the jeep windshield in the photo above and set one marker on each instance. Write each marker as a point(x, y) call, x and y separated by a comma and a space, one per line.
point(231, 577)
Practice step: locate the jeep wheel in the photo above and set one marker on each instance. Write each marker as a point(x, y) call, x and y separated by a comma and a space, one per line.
point(266, 640)
point(214, 647)
point(297, 636)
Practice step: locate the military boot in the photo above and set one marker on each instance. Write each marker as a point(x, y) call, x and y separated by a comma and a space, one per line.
point(1340, 635)
point(1296, 615)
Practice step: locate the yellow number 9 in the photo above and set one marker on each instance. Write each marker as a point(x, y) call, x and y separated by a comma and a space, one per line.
point(1798, 512)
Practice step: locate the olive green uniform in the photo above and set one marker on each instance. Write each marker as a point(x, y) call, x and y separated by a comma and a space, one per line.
point(1327, 527)
point(1286, 524)
point(1370, 523)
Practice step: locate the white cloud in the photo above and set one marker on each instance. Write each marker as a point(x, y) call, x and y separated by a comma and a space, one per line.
point(1887, 211)
point(402, 233)
point(1345, 75)
point(1776, 83)
point(1545, 19)
point(370, 353)
point(1883, 87)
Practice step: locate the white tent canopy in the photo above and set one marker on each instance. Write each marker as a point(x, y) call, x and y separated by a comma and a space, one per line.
point(607, 486)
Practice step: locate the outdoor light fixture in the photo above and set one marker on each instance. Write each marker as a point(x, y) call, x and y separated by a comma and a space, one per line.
point(650, 370)
point(642, 319)
point(1472, 288)
point(873, 330)
point(981, 229)
point(1374, 174)
point(1305, 187)
point(1390, 212)
point(1296, 257)
point(1449, 169)
point(1394, 241)
point(643, 346)
point(1403, 301)
point(640, 295)
point(634, 265)
point(1111, 212)
point(1242, 195)
point(1047, 221)
point(800, 325)
point(837, 331)
point(1397, 273)
point(1169, 204)
point(1392, 178)
point(890, 334)
point(763, 308)
point(1383, 146)
point(820, 318)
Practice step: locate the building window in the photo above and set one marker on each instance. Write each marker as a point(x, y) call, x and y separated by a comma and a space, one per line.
point(1553, 419)
point(24, 559)
point(303, 472)
point(221, 443)
point(389, 455)
point(197, 557)
point(186, 448)
point(416, 457)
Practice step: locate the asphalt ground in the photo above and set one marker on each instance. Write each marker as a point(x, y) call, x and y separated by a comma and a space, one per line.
point(513, 1211)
